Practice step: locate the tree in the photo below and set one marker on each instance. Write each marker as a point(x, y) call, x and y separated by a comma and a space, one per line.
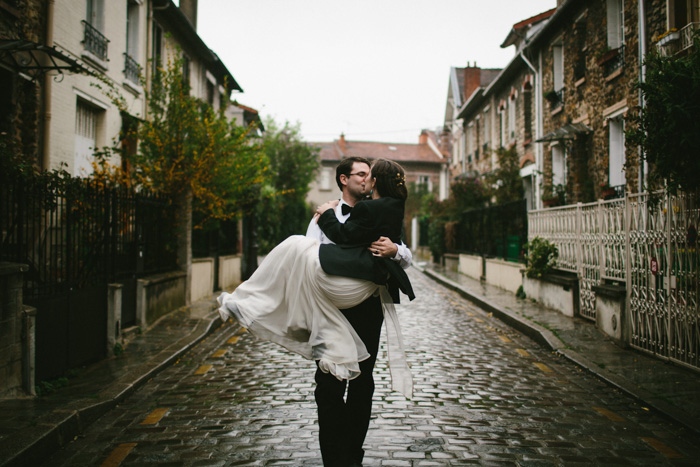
point(506, 183)
point(666, 127)
point(283, 210)
point(188, 148)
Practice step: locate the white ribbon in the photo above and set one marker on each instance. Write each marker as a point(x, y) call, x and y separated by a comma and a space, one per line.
point(401, 377)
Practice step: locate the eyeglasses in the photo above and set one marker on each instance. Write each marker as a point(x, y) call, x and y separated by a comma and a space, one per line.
point(359, 174)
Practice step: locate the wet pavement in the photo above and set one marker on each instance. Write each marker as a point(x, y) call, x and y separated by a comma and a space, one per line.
point(485, 394)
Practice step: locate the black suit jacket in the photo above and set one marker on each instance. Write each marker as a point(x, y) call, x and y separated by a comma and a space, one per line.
point(349, 256)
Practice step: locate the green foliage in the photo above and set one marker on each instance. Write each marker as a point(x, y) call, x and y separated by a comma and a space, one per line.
point(541, 257)
point(506, 183)
point(436, 237)
point(282, 210)
point(667, 128)
point(468, 192)
point(187, 146)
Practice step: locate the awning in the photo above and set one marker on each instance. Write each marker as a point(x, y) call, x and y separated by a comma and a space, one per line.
point(566, 132)
point(34, 59)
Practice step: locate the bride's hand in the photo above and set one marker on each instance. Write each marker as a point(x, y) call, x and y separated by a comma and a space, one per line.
point(326, 206)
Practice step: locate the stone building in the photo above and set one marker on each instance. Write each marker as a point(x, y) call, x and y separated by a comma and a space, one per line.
point(564, 99)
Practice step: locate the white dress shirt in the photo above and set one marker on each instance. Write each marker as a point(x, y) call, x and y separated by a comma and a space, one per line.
point(403, 255)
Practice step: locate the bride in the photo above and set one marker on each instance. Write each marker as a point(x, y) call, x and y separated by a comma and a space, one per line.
point(294, 297)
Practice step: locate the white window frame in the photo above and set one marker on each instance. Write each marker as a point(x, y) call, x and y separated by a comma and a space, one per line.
point(326, 179)
point(558, 66)
point(615, 14)
point(558, 164)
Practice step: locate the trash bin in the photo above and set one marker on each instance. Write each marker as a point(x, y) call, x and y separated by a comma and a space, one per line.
point(513, 253)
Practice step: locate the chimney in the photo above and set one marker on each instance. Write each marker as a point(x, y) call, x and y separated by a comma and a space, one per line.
point(341, 142)
point(189, 9)
point(423, 138)
point(472, 80)
point(446, 142)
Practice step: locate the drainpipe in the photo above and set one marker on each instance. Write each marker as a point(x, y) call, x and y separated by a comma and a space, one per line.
point(46, 156)
point(538, 110)
point(642, 77)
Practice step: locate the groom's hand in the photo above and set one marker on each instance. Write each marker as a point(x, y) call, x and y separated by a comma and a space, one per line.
point(384, 247)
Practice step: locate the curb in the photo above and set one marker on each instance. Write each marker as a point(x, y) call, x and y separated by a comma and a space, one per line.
point(54, 430)
point(548, 340)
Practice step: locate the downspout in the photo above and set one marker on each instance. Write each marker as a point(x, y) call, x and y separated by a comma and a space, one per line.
point(641, 181)
point(538, 147)
point(46, 156)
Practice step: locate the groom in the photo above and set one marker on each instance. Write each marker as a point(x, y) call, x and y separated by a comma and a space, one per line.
point(343, 423)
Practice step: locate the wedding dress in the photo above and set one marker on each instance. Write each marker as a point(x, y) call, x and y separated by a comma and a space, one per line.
point(291, 301)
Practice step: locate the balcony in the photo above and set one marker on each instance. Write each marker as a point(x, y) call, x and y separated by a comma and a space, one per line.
point(687, 33)
point(132, 70)
point(613, 61)
point(94, 42)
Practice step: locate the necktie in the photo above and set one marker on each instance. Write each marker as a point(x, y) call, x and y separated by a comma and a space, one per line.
point(345, 208)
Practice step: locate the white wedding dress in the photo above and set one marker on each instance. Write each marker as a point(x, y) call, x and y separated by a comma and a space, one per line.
point(291, 301)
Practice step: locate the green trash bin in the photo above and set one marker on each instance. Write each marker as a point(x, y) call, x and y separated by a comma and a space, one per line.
point(513, 248)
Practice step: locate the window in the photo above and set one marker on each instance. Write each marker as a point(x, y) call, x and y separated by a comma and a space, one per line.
point(502, 128)
point(558, 67)
point(86, 117)
point(326, 179)
point(616, 167)
point(94, 42)
point(511, 119)
point(487, 129)
point(157, 49)
point(527, 112)
point(131, 57)
point(616, 25)
point(558, 165)
point(425, 183)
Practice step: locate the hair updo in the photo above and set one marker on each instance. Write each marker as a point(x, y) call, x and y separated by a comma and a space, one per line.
point(390, 179)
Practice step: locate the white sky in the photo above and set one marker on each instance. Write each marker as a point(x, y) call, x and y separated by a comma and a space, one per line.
point(375, 70)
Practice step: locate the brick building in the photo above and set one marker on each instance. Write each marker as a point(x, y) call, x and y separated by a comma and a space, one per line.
point(425, 164)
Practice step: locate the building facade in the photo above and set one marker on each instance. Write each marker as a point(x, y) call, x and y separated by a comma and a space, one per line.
point(565, 99)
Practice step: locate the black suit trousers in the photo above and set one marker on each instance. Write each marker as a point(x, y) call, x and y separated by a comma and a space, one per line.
point(343, 422)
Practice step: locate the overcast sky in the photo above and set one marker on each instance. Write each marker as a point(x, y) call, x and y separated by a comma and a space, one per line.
point(375, 70)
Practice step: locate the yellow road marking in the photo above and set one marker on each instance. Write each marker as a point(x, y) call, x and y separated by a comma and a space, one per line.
point(667, 451)
point(504, 338)
point(522, 352)
point(117, 455)
point(155, 416)
point(543, 367)
point(219, 353)
point(478, 320)
point(609, 414)
point(233, 340)
point(203, 369)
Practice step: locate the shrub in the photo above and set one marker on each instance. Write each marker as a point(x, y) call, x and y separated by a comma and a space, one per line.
point(541, 257)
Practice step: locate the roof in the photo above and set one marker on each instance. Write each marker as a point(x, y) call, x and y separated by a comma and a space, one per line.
point(399, 152)
point(518, 31)
point(167, 11)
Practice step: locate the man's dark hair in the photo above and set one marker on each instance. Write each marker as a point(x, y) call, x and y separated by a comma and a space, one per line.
point(390, 179)
point(345, 167)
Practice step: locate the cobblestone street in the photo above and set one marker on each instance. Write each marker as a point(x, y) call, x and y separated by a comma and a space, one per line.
point(483, 395)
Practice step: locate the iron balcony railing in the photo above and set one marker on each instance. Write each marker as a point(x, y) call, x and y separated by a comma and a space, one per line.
point(94, 41)
point(132, 70)
point(616, 62)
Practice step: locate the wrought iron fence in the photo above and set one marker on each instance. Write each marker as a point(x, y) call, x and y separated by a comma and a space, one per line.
point(649, 244)
point(76, 233)
point(496, 231)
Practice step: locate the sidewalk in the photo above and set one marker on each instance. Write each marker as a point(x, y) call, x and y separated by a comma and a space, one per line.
point(33, 428)
point(667, 387)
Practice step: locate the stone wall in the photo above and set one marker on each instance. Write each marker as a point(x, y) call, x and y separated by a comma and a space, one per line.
point(11, 329)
